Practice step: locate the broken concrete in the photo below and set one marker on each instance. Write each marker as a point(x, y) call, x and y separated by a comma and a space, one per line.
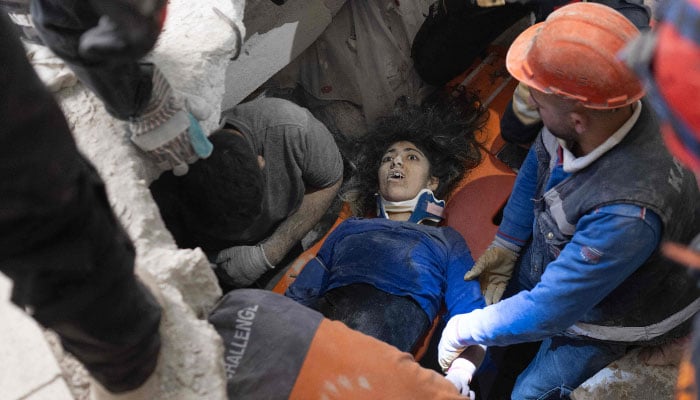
point(275, 36)
point(22, 346)
point(629, 379)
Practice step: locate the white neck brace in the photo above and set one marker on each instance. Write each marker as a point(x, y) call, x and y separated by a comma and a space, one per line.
point(422, 207)
point(402, 206)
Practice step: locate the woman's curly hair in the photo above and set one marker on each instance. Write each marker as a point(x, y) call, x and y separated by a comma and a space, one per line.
point(443, 129)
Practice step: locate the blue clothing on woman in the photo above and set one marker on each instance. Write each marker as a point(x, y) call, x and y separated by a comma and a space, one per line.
point(404, 259)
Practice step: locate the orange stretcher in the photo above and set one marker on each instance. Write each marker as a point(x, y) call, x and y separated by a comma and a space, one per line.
point(474, 206)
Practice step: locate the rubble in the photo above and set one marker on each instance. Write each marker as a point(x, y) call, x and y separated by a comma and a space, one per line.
point(629, 379)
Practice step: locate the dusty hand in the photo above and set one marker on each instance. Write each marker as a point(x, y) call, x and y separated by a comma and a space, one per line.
point(460, 374)
point(243, 265)
point(494, 269)
point(167, 131)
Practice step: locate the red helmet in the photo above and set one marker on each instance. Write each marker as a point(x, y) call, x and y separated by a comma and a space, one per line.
point(668, 60)
point(573, 53)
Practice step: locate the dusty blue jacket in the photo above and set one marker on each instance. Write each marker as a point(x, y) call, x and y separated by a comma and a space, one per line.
point(591, 266)
point(424, 262)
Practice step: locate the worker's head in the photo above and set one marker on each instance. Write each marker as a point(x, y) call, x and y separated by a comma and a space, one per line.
point(223, 193)
point(668, 61)
point(431, 146)
point(569, 119)
point(572, 55)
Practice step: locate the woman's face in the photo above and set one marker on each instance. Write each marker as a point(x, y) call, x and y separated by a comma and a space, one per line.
point(403, 172)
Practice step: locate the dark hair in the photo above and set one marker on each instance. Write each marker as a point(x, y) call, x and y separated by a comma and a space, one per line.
point(219, 194)
point(443, 129)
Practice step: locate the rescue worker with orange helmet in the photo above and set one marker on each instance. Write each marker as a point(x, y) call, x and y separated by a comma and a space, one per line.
point(595, 197)
point(667, 60)
point(520, 122)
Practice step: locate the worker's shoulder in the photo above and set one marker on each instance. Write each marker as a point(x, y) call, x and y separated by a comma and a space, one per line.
point(276, 111)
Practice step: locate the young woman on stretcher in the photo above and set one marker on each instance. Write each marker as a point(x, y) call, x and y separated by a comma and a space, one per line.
point(389, 276)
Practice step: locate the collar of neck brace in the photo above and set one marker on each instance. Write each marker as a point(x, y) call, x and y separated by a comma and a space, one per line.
point(422, 207)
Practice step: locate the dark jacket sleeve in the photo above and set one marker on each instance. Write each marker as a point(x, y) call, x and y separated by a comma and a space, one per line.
point(71, 262)
point(104, 55)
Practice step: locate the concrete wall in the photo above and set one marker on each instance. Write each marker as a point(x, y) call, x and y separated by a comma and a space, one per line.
point(275, 35)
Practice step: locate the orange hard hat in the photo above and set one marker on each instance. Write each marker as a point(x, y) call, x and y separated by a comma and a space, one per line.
point(573, 54)
point(668, 60)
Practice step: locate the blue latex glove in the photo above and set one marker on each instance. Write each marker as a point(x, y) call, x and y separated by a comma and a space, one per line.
point(167, 131)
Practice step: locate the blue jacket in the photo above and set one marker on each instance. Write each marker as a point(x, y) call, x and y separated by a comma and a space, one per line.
point(590, 266)
point(424, 262)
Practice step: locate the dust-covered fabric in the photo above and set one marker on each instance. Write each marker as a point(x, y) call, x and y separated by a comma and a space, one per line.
point(364, 56)
point(275, 348)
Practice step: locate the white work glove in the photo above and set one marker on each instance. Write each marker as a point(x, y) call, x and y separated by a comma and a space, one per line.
point(494, 269)
point(523, 108)
point(451, 345)
point(460, 374)
point(167, 131)
point(242, 265)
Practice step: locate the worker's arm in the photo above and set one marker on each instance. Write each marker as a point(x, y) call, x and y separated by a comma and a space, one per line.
point(575, 282)
point(243, 265)
point(495, 267)
point(518, 216)
point(314, 204)
point(608, 246)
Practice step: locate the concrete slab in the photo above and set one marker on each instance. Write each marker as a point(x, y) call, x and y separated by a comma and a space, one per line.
point(628, 378)
point(29, 368)
point(56, 390)
point(275, 36)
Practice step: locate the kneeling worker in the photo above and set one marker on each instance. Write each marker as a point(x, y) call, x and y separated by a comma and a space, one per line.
point(274, 172)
